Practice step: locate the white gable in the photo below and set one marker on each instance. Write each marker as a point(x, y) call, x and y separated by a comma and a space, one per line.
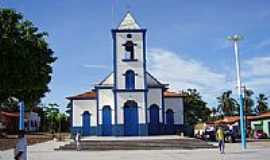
point(108, 80)
point(152, 81)
point(128, 22)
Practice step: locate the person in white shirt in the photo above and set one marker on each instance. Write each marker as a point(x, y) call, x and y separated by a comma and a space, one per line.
point(78, 139)
point(21, 147)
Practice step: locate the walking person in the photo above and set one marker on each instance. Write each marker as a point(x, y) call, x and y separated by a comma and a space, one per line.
point(220, 138)
point(21, 147)
point(77, 140)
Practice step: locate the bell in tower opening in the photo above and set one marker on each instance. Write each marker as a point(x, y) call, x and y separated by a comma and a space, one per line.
point(129, 48)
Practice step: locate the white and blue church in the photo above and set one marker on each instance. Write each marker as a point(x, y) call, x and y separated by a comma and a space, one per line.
point(129, 101)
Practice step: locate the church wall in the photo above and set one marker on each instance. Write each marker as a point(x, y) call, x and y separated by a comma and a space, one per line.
point(123, 97)
point(105, 98)
point(136, 66)
point(79, 106)
point(176, 104)
point(154, 96)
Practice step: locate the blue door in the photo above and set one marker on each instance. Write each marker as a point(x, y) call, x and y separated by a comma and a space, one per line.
point(131, 119)
point(169, 122)
point(154, 120)
point(86, 123)
point(106, 121)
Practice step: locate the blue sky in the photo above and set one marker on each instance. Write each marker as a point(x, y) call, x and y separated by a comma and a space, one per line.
point(186, 42)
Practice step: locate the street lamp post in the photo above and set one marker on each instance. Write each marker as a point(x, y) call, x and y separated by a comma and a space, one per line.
point(235, 39)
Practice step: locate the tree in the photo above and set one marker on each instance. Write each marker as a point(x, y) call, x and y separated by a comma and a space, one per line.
point(248, 101)
point(227, 105)
point(61, 117)
point(195, 108)
point(262, 105)
point(25, 59)
point(51, 113)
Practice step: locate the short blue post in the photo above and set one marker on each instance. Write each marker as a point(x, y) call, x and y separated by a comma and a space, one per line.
point(21, 116)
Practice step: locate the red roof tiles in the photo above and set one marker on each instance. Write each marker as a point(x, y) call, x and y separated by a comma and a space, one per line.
point(172, 94)
point(86, 95)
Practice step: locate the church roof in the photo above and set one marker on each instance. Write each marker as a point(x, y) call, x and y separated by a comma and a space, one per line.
point(84, 96)
point(152, 81)
point(128, 22)
point(107, 81)
point(172, 94)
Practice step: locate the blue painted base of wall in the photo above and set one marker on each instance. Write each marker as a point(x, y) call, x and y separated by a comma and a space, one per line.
point(118, 130)
point(93, 131)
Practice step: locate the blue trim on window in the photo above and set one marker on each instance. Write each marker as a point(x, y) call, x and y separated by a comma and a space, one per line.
point(133, 90)
point(130, 80)
point(104, 87)
point(129, 60)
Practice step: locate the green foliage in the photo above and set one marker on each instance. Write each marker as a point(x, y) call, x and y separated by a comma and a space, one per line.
point(25, 59)
point(56, 120)
point(262, 105)
point(248, 101)
point(195, 108)
point(9, 105)
point(227, 105)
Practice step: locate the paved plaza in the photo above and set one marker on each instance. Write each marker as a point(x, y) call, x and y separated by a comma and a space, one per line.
point(45, 151)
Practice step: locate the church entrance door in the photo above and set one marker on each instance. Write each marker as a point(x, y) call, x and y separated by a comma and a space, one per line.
point(106, 121)
point(86, 123)
point(131, 118)
point(169, 121)
point(154, 120)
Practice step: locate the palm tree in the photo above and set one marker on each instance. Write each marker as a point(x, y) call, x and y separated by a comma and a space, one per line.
point(227, 105)
point(248, 101)
point(262, 105)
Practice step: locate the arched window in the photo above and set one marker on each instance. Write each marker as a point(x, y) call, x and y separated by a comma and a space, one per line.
point(130, 79)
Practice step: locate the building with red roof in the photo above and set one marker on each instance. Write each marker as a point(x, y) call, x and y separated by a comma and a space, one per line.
point(129, 101)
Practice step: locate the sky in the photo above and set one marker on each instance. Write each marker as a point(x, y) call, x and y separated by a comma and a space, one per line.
point(187, 44)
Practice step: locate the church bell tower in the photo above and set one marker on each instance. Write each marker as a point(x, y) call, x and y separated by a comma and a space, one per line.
point(129, 55)
point(129, 68)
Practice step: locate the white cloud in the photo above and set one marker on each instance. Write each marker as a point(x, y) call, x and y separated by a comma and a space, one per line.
point(96, 66)
point(257, 74)
point(184, 73)
point(264, 43)
point(258, 66)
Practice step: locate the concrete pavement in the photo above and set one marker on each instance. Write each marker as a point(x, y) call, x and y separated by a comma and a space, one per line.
point(45, 151)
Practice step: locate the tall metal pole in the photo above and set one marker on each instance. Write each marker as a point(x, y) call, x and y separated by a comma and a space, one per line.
point(236, 39)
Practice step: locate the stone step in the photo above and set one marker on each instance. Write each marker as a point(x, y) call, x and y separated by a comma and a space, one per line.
point(138, 145)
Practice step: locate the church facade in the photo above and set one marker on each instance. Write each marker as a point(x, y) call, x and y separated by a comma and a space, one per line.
point(129, 101)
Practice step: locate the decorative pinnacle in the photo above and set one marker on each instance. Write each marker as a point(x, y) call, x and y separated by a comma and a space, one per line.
point(235, 37)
